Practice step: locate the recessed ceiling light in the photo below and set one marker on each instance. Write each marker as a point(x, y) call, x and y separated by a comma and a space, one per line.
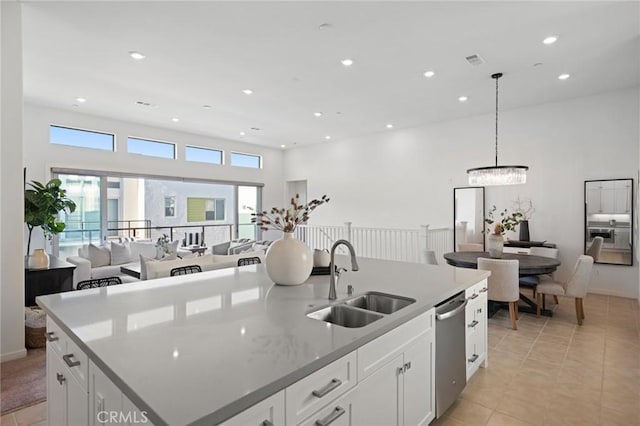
point(247, 91)
point(137, 55)
point(327, 137)
point(175, 119)
point(282, 146)
point(550, 40)
point(463, 99)
point(242, 133)
point(206, 106)
point(389, 126)
point(429, 74)
point(347, 62)
point(563, 76)
point(324, 26)
point(81, 100)
point(318, 114)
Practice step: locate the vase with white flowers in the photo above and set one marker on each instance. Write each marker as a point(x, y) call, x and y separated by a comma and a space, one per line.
point(504, 222)
point(289, 261)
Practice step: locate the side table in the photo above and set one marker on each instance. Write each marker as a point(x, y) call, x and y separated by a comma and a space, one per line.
point(58, 277)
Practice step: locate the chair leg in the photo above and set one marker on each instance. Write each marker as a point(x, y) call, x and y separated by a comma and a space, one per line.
point(515, 308)
point(538, 303)
point(582, 307)
point(544, 301)
point(578, 313)
point(555, 299)
point(512, 313)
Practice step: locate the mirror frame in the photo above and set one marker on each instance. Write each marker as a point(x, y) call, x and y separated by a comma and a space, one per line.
point(484, 212)
point(631, 220)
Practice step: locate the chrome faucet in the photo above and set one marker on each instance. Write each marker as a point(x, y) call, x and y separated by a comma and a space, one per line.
point(354, 265)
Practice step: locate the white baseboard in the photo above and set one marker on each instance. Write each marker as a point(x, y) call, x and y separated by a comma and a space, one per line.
point(609, 292)
point(13, 355)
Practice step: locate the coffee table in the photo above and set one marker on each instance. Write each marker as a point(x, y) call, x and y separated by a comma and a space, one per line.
point(133, 270)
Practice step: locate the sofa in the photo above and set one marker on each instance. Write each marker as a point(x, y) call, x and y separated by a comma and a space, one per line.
point(152, 268)
point(105, 261)
point(240, 246)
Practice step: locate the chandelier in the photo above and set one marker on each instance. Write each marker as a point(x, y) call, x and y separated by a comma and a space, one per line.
point(497, 175)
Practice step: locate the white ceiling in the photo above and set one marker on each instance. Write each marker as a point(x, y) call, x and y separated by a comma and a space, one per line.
point(206, 53)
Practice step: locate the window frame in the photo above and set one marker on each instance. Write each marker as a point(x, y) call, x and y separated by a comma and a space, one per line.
point(221, 163)
point(173, 144)
point(260, 160)
point(81, 129)
point(173, 198)
point(214, 200)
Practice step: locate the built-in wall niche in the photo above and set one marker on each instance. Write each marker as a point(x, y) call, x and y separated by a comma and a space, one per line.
point(609, 214)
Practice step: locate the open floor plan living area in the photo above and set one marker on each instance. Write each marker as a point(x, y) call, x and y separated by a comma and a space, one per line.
point(287, 213)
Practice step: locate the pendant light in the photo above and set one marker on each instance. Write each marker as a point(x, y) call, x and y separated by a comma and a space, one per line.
point(497, 175)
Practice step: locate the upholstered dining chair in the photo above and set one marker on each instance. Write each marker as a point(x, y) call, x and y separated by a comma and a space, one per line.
point(98, 282)
point(575, 287)
point(470, 247)
point(533, 280)
point(503, 283)
point(249, 261)
point(595, 248)
point(185, 270)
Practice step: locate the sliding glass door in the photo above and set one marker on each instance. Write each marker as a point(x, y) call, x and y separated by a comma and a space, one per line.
point(248, 202)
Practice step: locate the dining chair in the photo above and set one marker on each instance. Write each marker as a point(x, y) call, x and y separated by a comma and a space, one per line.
point(470, 247)
point(98, 282)
point(503, 283)
point(595, 248)
point(249, 261)
point(575, 287)
point(533, 280)
point(185, 270)
point(430, 256)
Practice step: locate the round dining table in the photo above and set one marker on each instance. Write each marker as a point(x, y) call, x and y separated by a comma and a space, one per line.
point(528, 265)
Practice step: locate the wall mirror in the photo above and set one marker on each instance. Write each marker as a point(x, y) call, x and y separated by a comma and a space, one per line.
point(468, 219)
point(609, 214)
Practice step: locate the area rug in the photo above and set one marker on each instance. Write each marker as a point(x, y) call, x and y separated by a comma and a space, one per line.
point(24, 381)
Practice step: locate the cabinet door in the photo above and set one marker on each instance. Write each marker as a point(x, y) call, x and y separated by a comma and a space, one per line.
point(378, 400)
point(419, 383)
point(56, 391)
point(269, 412)
point(593, 200)
point(77, 403)
point(105, 398)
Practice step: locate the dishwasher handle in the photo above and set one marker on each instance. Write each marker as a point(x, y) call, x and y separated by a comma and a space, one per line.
point(453, 312)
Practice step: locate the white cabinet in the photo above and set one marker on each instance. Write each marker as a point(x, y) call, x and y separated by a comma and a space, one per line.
point(338, 413)
point(476, 330)
point(67, 397)
point(622, 238)
point(611, 197)
point(268, 412)
point(396, 383)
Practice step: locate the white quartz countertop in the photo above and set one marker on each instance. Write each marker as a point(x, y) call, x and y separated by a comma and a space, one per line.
point(200, 348)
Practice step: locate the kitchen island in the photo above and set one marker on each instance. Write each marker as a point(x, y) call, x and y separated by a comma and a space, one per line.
point(203, 348)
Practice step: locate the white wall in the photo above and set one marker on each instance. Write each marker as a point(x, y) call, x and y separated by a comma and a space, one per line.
point(40, 155)
point(405, 177)
point(11, 191)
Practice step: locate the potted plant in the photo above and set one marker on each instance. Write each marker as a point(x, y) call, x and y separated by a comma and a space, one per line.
point(42, 203)
point(505, 222)
point(525, 207)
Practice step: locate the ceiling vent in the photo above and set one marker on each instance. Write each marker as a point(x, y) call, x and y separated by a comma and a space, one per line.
point(475, 60)
point(146, 104)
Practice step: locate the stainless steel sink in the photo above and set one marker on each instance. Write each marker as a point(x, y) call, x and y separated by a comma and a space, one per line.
point(344, 316)
point(380, 302)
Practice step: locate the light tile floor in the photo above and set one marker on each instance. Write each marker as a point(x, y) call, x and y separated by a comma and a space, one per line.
point(553, 372)
point(549, 372)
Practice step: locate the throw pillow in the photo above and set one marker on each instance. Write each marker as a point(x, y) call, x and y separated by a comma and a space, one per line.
point(99, 256)
point(148, 263)
point(120, 253)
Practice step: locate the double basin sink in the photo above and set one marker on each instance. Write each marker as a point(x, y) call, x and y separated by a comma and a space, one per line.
point(361, 310)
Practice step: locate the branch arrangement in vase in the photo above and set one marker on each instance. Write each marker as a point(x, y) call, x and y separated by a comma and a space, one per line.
point(503, 222)
point(286, 219)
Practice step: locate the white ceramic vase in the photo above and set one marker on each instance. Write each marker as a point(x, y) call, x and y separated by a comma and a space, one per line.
point(496, 245)
point(39, 259)
point(289, 261)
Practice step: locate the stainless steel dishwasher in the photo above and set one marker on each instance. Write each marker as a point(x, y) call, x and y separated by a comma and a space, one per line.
point(451, 365)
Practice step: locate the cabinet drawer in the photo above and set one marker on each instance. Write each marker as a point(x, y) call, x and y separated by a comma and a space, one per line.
point(78, 363)
point(337, 413)
point(269, 412)
point(56, 338)
point(314, 391)
point(473, 292)
point(378, 352)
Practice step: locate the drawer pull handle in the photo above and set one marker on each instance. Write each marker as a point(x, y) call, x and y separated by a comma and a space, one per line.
point(60, 378)
point(67, 359)
point(479, 310)
point(407, 366)
point(50, 337)
point(483, 289)
point(473, 296)
point(473, 358)
point(333, 416)
point(333, 384)
point(473, 324)
point(267, 423)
